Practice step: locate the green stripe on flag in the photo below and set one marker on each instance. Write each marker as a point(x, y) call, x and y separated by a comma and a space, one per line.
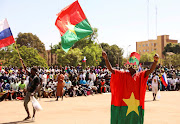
point(82, 30)
point(118, 115)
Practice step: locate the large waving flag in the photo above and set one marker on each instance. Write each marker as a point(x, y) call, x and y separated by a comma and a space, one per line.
point(164, 79)
point(73, 25)
point(6, 37)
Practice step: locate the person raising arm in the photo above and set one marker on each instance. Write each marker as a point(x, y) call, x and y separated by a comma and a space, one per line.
point(128, 90)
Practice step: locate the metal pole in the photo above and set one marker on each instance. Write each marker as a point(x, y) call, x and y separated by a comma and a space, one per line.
point(127, 50)
point(51, 54)
point(148, 24)
point(118, 60)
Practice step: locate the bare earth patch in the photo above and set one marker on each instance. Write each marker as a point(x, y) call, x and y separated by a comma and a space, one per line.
point(90, 110)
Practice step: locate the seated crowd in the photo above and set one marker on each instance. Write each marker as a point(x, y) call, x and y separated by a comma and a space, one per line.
point(78, 82)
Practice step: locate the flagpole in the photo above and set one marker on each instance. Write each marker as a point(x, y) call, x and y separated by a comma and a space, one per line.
point(18, 53)
point(85, 64)
point(95, 34)
point(97, 39)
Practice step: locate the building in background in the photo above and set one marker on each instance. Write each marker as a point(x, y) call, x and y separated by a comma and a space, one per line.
point(51, 58)
point(154, 45)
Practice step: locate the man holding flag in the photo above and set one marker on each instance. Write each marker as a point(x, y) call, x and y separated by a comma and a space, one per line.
point(128, 91)
point(33, 83)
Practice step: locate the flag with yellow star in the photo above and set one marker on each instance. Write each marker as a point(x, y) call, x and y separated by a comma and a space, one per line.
point(133, 61)
point(128, 94)
point(73, 25)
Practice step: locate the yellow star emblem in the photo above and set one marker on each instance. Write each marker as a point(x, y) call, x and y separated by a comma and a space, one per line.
point(71, 27)
point(132, 104)
point(133, 57)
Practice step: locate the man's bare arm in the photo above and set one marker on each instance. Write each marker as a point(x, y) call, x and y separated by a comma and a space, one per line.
point(24, 66)
point(108, 64)
point(156, 58)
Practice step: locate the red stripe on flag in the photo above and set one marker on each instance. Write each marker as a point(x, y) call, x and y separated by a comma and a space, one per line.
point(163, 81)
point(6, 41)
point(72, 14)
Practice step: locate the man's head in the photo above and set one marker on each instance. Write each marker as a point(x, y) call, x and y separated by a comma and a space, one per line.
point(33, 71)
point(133, 62)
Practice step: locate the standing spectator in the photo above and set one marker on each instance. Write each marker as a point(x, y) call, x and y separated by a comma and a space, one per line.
point(154, 86)
point(172, 83)
point(60, 86)
point(103, 87)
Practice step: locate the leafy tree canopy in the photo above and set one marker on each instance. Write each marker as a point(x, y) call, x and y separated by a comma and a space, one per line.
point(172, 60)
point(89, 48)
point(114, 53)
point(29, 55)
point(92, 54)
point(147, 57)
point(175, 48)
point(72, 57)
point(31, 40)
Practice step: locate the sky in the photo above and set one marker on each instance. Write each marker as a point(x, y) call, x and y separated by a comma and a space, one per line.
point(120, 22)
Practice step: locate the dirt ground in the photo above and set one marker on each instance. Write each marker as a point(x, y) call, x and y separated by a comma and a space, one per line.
point(90, 110)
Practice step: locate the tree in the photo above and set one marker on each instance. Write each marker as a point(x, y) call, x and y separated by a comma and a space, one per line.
point(29, 55)
point(91, 50)
point(172, 60)
point(72, 57)
point(87, 41)
point(147, 57)
point(30, 40)
point(175, 48)
point(92, 54)
point(114, 53)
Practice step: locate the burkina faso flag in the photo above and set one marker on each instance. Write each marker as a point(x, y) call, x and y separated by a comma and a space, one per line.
point(128, 95)
point(73, 25)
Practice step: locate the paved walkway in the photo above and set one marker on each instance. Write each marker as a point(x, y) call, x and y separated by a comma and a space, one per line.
point(91, 110)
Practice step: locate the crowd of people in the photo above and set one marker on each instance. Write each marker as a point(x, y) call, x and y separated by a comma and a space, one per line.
point(173, 79)
point(77, 81)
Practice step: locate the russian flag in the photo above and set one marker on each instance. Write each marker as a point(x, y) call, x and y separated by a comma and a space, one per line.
point(84, 60)
point(164, 80)
point(140, 68)
point(6, 37)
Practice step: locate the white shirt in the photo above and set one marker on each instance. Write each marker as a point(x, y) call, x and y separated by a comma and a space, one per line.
point(155, 81)
point(90, 83)
point(14, 86)
point(92, 76)
point(68, 84)
point(172, 81)
point(82, 76)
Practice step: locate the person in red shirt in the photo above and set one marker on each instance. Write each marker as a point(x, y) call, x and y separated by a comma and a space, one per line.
point(103, 87)
point(128, 90)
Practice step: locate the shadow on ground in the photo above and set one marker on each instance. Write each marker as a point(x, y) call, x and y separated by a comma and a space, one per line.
point(19, 122)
